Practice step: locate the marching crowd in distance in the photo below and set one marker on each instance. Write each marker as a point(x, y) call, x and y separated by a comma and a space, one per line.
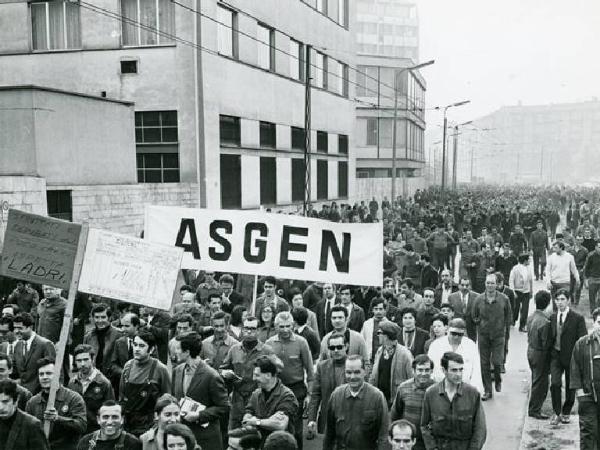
point(403, 365)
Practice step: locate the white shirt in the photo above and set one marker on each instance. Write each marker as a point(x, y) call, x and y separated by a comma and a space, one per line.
point(465, 298)
point(29, 341)
point(446, 293)
point(560, 268)
point(468, 350)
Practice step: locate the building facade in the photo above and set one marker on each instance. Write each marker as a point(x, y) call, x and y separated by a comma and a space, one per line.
point(387, 44)
point(217, 89)
point(556, 143)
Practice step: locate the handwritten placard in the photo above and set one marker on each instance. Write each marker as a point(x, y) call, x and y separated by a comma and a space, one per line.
point(39, 249)
point(130, 269)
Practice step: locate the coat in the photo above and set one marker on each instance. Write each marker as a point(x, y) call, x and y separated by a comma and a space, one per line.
point(91, 338)
point(356, 345)
point(51, 314)
point(119, 357)
point(455, 300)
point(321, 389)
point(357, 318)
point(418, 347)
point(26, 434)
point(401, 369)
point(25, 365)
point(160, 325)
point(572, 329)
point(208, 388)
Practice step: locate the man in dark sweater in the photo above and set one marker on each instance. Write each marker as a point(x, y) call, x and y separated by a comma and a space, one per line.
point(591, 271)
point(111, 435)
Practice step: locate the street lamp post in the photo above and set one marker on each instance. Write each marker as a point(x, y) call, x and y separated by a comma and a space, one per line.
point(444, 139)
point(396, 76)
point(454, 158)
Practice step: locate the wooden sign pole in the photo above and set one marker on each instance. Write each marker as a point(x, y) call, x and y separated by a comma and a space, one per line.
point(254, 294)
point(66, 325)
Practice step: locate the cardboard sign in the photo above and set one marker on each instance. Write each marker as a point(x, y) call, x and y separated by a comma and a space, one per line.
point(281, 245)
point(39, 249)
point(130, 269)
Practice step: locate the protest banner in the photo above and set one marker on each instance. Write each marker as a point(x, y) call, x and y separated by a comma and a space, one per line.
point(39, 249)
point(130, 269)
point(256, 243)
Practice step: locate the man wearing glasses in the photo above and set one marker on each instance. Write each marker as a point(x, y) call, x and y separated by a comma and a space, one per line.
point(238, 369)
point(457, 342)
point(329, 375)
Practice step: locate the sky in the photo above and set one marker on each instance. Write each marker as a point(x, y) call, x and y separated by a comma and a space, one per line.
point(498, 53)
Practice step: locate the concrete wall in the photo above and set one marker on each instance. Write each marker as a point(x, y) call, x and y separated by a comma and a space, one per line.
point(17, 133)
point(367, 188)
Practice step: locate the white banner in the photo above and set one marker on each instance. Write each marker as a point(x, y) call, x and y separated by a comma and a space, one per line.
point(257, 243)
point(130, 269)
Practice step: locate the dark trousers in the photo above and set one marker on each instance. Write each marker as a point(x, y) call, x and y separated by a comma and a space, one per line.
point(539, 363)
point(491, 352)
point(576, 291)
point(451, 258)
point(539, 262)
point(522, 306)
point(556, 372)
point(299, 424)
point(593, 289)
point(589, 423)
point(439, 257)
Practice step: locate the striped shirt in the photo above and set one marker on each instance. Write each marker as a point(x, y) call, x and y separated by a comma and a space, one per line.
point(409, 403)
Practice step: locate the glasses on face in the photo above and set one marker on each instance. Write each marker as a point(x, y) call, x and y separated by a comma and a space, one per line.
point(456, 333)
point(250, 328)
point(428, 296)
point(336, 347)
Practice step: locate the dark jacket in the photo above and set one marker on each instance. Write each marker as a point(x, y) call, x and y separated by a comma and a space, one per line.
point(120, 355)
point(581, 375)
point(495, 318)
point(91, 338)
point(312, 295)
point(236, 299)
point(160, 326)
point(438, 291)
point(51, 314)
point(208, 388)
point(418, 344)
point(357, 318)
point(98, 391)
point(455, 299)
point(572, 329)
point(25, 366)
point(66, 431)
point(323, 385)
point(26, 433)
point(314, 343)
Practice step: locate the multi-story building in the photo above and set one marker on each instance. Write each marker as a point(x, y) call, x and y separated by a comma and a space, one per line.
point(556, 143)
point(218, 92)
point(387, 44)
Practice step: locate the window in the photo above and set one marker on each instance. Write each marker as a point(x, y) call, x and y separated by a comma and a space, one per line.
point(227, 32)
point(157, 148)
point(298, 138)
point(268, 181)
point(231, 181)
point(345, 83)
point(296, 60)
point(60, 205)
point(298, 174)
point(55, 25)
point(372, 131)
point(342, 179)
point(366, 81)
point(266, 47)
point(322, 6)
point(129, 66)
point(343, 144)
point(322, 144)
point(322, 179)
point(343, 12)
point(229, 128)
point(154, 14)
point(320, 79)
point(268, 135)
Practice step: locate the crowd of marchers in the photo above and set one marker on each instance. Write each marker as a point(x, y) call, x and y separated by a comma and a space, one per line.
point(403, 365)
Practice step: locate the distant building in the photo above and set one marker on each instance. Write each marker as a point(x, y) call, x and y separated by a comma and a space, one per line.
point(387, 43)
point(556, 143)
point(215, 102)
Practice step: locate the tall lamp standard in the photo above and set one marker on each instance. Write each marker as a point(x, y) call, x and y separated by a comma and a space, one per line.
point(445, 108)
point(454, 161)
point(396, 76)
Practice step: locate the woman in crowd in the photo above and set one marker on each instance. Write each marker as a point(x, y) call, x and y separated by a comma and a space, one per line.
point(166, 412)
point(267, 324)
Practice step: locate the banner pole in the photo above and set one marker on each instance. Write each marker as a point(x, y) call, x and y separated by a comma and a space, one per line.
point(254, 294)
point(66, 325)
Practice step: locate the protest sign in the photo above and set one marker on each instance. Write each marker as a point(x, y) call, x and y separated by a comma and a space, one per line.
point(39, 249)
point(259, 243)
point(130, 269)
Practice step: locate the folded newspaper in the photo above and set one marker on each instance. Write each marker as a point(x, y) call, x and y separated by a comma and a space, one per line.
point(189, 405)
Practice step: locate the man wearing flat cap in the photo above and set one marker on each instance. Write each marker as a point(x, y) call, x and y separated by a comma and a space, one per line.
point(393, 362)
point(456, 341)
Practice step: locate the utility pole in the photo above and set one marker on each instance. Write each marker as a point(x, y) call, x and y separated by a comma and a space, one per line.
point(542, 164)
point(444, 154)
point(307, 106)
point(454, 162)
point(471, 178)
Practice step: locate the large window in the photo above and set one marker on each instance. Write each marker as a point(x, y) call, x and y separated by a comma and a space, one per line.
point(227, 32)
point(157, 147)
point(343, 12)
point(343, 144)
point(342, 179)
point(297, 180)
point(268, 181)
point(372, 131)
point(322, 142)
point(322, 179)
point(366, 81)
point(60, 205)
point(296, 60)
point(55, 25)
point(230, 132)
point(320, 79)
point(266, 47)
point(268, 135)
point(298, 140)
point(155, 15)
point(231, 181)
